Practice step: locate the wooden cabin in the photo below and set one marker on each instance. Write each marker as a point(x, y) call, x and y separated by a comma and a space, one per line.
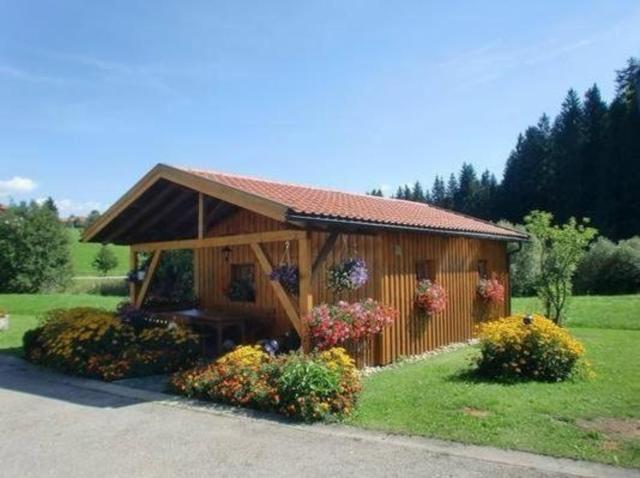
point(241, 226)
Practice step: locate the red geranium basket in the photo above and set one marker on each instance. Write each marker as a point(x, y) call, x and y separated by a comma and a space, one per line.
point(430, 297)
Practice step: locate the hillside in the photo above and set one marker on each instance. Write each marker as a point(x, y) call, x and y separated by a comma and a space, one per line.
point(82, 255)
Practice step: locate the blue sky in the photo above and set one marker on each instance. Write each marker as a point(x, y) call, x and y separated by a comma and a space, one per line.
point(344, 94)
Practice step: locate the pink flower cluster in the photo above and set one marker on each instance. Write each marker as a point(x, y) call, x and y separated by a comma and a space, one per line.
point(490, 290)
point(331, 325)
point(430, 297)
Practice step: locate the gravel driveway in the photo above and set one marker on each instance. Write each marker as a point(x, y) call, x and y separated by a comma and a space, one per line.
point(56, 426)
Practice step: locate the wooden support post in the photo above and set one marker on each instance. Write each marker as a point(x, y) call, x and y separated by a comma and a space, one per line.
point(324, 252)
point(148, 276)
point(133, 266)
point(200, 215)
point(281, 294)
point(306, 294)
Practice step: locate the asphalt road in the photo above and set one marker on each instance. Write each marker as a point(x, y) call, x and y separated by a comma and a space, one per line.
point(50, 427)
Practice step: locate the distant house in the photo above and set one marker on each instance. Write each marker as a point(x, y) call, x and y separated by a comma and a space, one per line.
point(3, 208)
point(239, 227)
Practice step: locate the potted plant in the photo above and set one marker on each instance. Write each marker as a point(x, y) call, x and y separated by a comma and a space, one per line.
point(430, 297)
point(288, 276)
point(4, 320)
point(349, 274)
point(490, 291)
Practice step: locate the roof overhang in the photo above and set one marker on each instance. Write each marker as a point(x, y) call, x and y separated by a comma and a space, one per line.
point(305, 220)
point(184, 181)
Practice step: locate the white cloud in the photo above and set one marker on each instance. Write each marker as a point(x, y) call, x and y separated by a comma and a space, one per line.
point(70, 207)
point(17, 185)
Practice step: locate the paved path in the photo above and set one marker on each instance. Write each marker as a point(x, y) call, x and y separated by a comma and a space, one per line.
point(52, 425)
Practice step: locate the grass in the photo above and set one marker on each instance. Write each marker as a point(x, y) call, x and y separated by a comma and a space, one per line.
point(602, 312)
point(82, 255)
point(24, 310)
point(433, 398)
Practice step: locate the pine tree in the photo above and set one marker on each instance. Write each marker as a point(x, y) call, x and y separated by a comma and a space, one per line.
point(438, 192)
point(465, 198)
point(566, 156)
point(406, 192)
point(452, 191)
point(594, 173)
point(417, 194)
point(623, 153)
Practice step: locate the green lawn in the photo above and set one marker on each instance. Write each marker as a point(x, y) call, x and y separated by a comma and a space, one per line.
point(82, 255)
point(431, 398)
point(24, 310)
point(602, 312)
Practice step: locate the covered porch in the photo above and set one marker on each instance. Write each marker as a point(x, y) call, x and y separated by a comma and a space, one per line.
point(227, 229)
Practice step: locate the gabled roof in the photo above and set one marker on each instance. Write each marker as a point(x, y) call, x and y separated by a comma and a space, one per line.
point(286, 202)
point(320, 203)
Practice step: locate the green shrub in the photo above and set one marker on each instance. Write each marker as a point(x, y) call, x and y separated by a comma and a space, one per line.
point(533, 347)
point(97, 343)
point(34, 249)
point(306, 387)
point(610, 268)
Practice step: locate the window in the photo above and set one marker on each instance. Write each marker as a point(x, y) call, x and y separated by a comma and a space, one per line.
point(483, 269)
point(425, 270)
point(242, 286)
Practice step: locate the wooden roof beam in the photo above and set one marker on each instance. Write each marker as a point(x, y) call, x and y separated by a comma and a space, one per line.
point(221, 241)
point(140, 213)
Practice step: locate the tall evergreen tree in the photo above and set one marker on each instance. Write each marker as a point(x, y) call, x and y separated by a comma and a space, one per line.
point(464, 199)
point(594, 170)
point(438, 192)
point(529, 178)
point(452, 191)
point(418, 194)
point(623, 153)
point(566, 156)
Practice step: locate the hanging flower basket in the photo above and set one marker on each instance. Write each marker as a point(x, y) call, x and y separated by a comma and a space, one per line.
point(430, 297)
point(288, 277)
point(490, 291)
point(350, 274)
point(331, 325)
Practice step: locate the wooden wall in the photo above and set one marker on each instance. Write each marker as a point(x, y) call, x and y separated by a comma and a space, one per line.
point(391, 258)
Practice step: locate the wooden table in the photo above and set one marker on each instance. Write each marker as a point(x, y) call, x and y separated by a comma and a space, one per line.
point(206, 320)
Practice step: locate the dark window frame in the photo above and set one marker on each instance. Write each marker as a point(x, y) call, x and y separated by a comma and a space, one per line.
point(483, 268)
point(425, 269)
point(245, 272)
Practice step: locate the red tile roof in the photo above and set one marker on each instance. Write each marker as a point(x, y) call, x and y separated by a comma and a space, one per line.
point(313, 202)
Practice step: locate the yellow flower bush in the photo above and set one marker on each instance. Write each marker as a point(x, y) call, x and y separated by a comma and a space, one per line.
point(97, 343)
point(531, 347)
point(244, 356)
point(307, 387)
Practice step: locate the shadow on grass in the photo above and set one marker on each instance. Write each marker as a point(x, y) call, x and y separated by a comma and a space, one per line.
point(472, 376)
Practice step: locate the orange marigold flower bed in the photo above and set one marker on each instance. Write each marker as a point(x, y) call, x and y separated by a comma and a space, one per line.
point(97, 343)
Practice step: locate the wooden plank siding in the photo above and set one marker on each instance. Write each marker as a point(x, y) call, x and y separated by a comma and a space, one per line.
point(391, 258)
